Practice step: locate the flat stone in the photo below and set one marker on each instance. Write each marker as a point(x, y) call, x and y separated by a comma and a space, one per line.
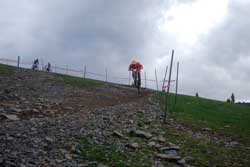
point(16, 109)
point(134, 145)
point(22, 98)
point(188, 158)
point(68, 156)
point(140, 133)
point(161, 139)
point(151, 144)
point(58, 161)
point(49, 139)
point(11, 117)
point(206, 129)
point(35, 110)
point(158, 146)
point(233, 143)
point(168, 157)
point(116, 133)
point(181, 161)
point(102, 165)
point(170, 148)
point(9, 138)
point(171, 152)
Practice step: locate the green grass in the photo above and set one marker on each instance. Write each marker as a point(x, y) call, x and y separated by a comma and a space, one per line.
point(83, 82)
point(112, 156)
point(205, 152)
point(202, 113)
point(5, 69)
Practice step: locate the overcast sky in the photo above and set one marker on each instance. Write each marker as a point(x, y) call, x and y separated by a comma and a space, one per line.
point(210, 37)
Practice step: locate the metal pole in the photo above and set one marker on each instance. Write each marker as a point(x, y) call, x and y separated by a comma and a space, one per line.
point(41, 64)
point(156, 80)
point(18, 61)
point(145, 79)
point(164, 78)
point(166, 95)
point(176, 86)
point(129, 78)
point(106, 74)
point(85, 68)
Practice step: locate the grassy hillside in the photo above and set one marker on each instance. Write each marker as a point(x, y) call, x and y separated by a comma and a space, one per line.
point(71, 80)
point(77, 81)
point(213, 124)
point(231, 119)
point(6, 69)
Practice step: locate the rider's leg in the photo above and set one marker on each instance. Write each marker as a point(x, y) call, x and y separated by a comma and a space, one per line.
point(139, 78)
point(135, 78)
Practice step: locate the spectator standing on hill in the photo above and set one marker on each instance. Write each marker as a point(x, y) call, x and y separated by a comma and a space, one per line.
point(35, 64)
point(48, 67)
point(232, 98)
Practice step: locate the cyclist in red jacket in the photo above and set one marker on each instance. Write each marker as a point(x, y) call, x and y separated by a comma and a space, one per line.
point(136, 68)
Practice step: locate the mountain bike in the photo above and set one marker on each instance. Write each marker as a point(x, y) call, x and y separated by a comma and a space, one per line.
point(34, 67)
point(137, 80)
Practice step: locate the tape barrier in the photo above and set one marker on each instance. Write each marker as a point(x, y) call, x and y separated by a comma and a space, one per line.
point(8, 60)
point(66, 69)
point(167, 86)
point(120, 78)
point(151, 80)
point(170, 81)
point(101, 75)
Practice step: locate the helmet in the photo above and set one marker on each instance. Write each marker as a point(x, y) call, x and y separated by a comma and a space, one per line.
point(133, 62)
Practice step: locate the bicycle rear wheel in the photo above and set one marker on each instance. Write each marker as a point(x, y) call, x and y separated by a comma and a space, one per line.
point(139, 82)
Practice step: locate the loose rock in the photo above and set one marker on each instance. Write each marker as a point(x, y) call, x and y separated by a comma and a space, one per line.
point(140, 133)
point(168, 157)
point(181, 161)
point(11, 117)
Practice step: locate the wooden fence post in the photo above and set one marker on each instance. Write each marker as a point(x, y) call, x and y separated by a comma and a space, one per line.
point(163, 84)
point(84, 73)
point(156, 80)
point(168, 87)
point(128, 78)
point(106, 70)
point(176, 86)
point(18, 61)
point(42, 64)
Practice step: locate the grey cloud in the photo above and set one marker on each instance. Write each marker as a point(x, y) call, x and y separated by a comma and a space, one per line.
point(101, 33)
point(223, 60)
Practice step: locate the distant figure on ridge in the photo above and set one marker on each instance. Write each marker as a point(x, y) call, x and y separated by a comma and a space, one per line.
point(35, 65)
point(48, 67)
point(136, 68)
point(232, 98)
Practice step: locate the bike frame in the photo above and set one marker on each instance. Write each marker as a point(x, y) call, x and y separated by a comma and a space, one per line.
point(137, 80)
